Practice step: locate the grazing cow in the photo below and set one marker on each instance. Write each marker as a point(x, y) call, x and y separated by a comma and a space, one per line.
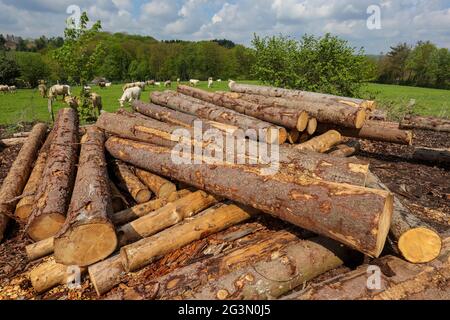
point(194, 82)
point(42, 90)
point(210, 82)
point(158, 84)
point(168, 83)
point(102, 84)
point(150, 82)
point(96, 102)
point(219, 80)
point(59, 90)
point(130, 95)
point(178, 80)
point(12, 89)
point(4, 89)
point(108, 84)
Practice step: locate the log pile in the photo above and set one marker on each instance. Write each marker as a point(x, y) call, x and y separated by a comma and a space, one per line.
point(139, 186)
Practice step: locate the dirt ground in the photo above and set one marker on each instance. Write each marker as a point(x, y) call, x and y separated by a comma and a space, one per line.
point(424, 188)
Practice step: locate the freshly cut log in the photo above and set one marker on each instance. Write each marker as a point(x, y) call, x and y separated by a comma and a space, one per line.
point(432, 155)
point(105, 275)
point(146, 251)
point(165, 217)
point(178, 118)
point(12, 142)
point(324, 111)
point(88, 235)
point(425, 123)
point(50, 274)
point(291, 266)
point(292, 161)
point(298, 94)
point(312, 126)
point(373, 130)
point(416, 241)
point(321, 143)
point(161, 187)
point(288, 118)
point(130, 214)
point(346, 150)
point(357, 216)
point(25, 205)
point(55, 190)
point(131, 183)
point(40, 249)
point(264, 131)
point(18, 175)
point(118, 200)
point(292, 136)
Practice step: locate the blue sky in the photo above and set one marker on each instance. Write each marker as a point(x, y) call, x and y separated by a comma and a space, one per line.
point(237, 20)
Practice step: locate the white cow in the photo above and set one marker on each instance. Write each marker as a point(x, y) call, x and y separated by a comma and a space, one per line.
point(219, 80)
point(4, 88)
point(210, 82)
point(12, 89)
point(59, 90)
point(108, 84)
point(158, 84)
point(130, 95)
point(194, 82)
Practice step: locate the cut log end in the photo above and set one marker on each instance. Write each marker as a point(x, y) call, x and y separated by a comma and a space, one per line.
point(276, 135)
point(143, 196)
point(303, 121)
point(361, 117)
point(384, 224)
point(167, 191)
point(86, 245)
point(23, 212)
point(46, 226)
point(312, 126)
point(420, 245)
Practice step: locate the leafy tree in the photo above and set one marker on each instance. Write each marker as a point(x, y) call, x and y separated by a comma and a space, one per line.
point(423, 64)
point(32, 67)
point(393, 67)
point(2, 42)
point(323, 64)
point(443, 69)
point(79, 55)
point(9, 70)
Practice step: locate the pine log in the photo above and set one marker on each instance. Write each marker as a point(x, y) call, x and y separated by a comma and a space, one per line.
point(300, 95)
point(312, 126)
point(13, 141)
point(165, 217)
point(161, 187)
point(54, 193)
point(117, 198)
point(288, 118)
point(146, 251)
point(292, 161)
point(25, 205)
point(346, 150)
point(129, 182)
point(106, 274)
point(416, 241)
point(18, 175)
point(373, 130)
point(288, 268)
point(264, 131)
point(50, 274)
point(357, 216)
point(425, 123)
point(432, 155)
point(324, 111)
point(40, 249)
point(322, 143)
point(88, 235)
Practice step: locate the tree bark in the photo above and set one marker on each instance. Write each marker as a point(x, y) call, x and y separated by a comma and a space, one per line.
point(55, 190)
point(356, 216)
point(40, 249)
point(165, 217)
point(432, 155)
point(300, 95)
point(264, 131)
point(373, 130)
point(324, 111)
point(161, 187)
point(146, 251)
point(88, 235)
point(321, 143)
point(346, 150)
point(25, 205)
point(131, 183)
point(425, 123)
point(50, 274)
point(292, 266)
point(285, 117)
point(13, 141)
point(18, 175)
point(292, 161)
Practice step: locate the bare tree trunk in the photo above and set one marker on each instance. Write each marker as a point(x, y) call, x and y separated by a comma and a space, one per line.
point(55, 190)
point(18, 175)
point(326, 208)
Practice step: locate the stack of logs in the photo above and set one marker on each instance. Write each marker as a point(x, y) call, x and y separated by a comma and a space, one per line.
point(135, 187)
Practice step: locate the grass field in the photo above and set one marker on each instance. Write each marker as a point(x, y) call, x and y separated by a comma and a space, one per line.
point(26, 105)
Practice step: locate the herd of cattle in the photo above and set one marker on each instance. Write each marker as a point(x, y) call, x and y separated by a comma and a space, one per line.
point(7, 89)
